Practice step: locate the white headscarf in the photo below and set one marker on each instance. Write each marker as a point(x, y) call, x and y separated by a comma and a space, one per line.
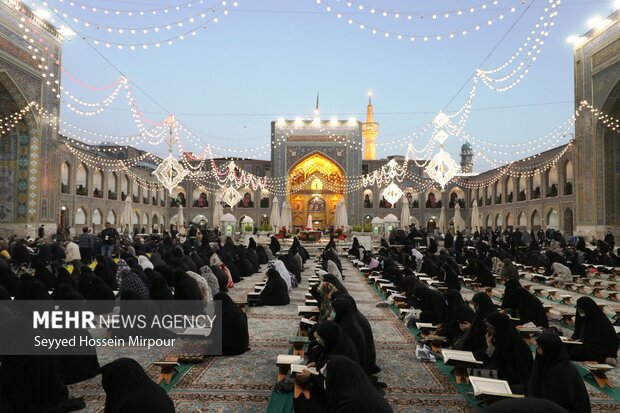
point(215, 259)
point(145, 262)
point(286, 276)
point(332, 268)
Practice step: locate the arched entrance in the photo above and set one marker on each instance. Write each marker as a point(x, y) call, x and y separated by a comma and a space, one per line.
point(431, 225)
point(15, 152)
point(568, 222)
point(315, 186)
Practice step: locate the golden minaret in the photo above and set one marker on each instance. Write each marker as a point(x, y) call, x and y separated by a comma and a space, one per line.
point(370, 131)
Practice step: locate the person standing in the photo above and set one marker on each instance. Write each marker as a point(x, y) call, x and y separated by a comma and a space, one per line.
point(109, 236)
point(41, 231)
point(86, 241)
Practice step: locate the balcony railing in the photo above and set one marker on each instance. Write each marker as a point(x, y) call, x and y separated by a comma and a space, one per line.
point(64, 188)
point(552, 191)
point(81, 190)
point(135, 199)
point(509, 197)
point(112, 195)
point(568, 188)
point(536, 193)
point(521, 196)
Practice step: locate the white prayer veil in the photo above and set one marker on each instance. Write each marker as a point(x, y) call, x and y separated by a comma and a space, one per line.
point(286, 276)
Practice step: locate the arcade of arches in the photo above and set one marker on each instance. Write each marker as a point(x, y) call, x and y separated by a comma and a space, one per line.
point(316, 185)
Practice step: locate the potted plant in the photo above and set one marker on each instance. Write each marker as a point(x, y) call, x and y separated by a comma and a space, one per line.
point(248, 228)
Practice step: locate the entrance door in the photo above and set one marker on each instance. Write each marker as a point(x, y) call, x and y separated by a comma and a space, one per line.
point(431, 225)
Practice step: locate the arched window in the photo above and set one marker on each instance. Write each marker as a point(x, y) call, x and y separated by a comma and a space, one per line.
point(98, 184)
point(522, 220)
point(135, 219)
point(568, 177)
point(316, 185)
point(522, 195)
point(112, 186)
point(510, 223)
point(368, 201)
point(433, 199)
point(81, 180)
point(497, 192)
point(65, 170)
point(536, 185)
point(457, 196)
point(552, 182)
point(553, 219)
point(145, 219)
point(97, 217)
point(499, 221)
point(535, 221)
point(135, 191)
point(178, 197)
point(200, 198)
point(111, 217)
point(510, 189)
point(162, 197)
point(487, 221)
point(264, 198)
point(80, 217)
point(247, 200)
point(568, 222)
point(124, 187)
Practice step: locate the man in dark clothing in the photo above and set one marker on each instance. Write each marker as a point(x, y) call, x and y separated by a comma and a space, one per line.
point(109, 236)
point(86, 242)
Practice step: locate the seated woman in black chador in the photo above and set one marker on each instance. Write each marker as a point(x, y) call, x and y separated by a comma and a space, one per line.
point(595, 331)
point(275, 291)
point(507, 350)
point(129, 389)
point(555, 378)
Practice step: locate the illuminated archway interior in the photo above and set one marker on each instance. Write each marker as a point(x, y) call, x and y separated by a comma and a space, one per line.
point(315, 186)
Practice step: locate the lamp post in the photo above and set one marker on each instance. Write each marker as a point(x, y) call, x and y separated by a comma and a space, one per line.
point(61, 230)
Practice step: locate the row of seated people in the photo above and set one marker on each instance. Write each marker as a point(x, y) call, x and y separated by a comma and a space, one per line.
point(341, 349)
point(341, 346)
point(171, 272)
point(487, 330)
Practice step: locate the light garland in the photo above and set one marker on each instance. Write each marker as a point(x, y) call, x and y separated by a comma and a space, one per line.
point(463, 32)
point(518, 73)
point(169, 41)
point(409, 16)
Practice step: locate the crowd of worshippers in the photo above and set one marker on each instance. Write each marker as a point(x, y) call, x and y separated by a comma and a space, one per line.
point(489, 330)
point(341, 349)
point(157, 268)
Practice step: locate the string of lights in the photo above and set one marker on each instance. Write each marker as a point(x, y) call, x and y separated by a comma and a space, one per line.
point(413, 15)
point(462, 32)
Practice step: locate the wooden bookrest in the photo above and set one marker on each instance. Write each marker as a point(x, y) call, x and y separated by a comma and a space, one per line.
point(168, 369)
point(242, 305)
point(298, 343)
point(566, 299)
point(601, 378)
point(436, 342)
point(567, 318)
point(283, 371)
point(301, 389)
point(460, 373)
